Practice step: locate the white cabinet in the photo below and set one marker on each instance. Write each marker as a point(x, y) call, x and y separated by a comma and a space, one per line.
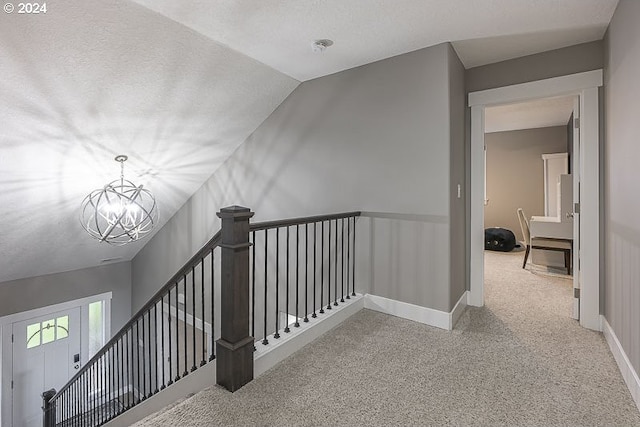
point(555, 164)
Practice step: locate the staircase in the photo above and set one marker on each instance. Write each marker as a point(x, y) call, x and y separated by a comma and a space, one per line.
point(248, 288)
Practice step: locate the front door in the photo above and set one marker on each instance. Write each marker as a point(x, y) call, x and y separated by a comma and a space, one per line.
point(46, 353)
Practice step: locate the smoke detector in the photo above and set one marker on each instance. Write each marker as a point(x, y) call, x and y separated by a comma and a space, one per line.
point(320, 46)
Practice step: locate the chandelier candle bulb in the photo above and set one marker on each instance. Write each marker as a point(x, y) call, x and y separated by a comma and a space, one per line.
point(120, 212)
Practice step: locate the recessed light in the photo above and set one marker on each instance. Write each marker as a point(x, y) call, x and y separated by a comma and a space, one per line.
point(321, 45)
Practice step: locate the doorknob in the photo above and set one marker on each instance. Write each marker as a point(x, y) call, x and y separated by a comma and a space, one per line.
point(569, 214)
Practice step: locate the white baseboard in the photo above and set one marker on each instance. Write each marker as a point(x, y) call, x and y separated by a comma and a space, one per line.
point(458, 309)
point(427, 316)
point(267, 356)
point(624, 364)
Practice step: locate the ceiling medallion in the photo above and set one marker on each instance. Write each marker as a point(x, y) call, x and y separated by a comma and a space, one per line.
point(119, 213)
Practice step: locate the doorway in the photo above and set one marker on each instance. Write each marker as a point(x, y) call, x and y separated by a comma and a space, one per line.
point(587, 268)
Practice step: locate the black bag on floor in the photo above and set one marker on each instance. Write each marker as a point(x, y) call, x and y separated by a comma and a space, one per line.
point(499, 239)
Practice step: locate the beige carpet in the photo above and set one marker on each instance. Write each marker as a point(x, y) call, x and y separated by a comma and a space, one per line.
point(519, 361)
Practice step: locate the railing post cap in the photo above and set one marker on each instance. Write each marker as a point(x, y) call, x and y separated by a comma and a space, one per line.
point(235, 211)
point(49, 394)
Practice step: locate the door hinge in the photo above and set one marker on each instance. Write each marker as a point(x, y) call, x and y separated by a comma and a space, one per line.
point(12, 338)
point(576, 292)
point(576, 122)
point(11, 384)
point(576, 208)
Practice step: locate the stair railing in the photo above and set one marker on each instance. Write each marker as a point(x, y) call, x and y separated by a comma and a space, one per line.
point(254, 289)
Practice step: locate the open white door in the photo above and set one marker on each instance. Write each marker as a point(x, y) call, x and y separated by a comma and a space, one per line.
point(575, 171)
point(46, 353)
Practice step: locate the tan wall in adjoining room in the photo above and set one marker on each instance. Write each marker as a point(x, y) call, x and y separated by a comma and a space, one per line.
point(515, 173)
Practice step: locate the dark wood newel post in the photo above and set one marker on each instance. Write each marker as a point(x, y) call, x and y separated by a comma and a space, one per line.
point(234, 366)
point(48, 409)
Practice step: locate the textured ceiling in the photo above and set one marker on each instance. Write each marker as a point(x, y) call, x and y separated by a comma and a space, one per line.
point(179, 85)
point(93, 79)
point(540, 113)
point(279, 33)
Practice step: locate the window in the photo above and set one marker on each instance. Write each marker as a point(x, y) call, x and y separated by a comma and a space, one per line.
point(96, 327)
point(48, 331)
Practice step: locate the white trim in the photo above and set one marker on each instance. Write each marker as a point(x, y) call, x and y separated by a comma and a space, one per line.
point(584, 85)
point(457, 311)
point(43, 311)
point(428, 316)
point(555, 156)
point(556, 86)
point(624, 364)
point(589, 250)
point(476, 238)
point(267, 356)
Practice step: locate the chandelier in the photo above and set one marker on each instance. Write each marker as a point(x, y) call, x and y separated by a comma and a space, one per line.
point(119, 213)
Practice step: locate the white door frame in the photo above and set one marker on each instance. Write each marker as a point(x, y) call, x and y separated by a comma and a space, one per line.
point(585, 86)
point(6, 350)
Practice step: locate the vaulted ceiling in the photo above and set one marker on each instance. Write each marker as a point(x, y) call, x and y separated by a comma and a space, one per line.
point(179, 85)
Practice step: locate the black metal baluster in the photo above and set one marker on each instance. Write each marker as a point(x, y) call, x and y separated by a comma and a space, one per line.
point(276, 335)
point(151, 368)
point(297, 324)
point(119, 373)
point(193, 316)
point(112, 379)
point(315, 234)
point(204, 338)
point(253, 289)
point(265, 341)
point(144, 370)
point(137, 346)
point(91, 400)
point(100, 389)
point(213, 305)
point(155, 347)
point(329, 266)
point(342, 271)
point(348, 252)
point(306, 272)
point(177, 333)
point(322, 267)
point(129, 387)
point(85, 398)
point(184, 322)
point(335, 282)
point(286, 328)
point(162, 355)
point(353, 280)
point(169, 358)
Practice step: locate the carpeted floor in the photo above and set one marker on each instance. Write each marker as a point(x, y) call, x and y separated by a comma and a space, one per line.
point(518, 361)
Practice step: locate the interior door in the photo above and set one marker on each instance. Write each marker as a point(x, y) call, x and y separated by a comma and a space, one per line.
point(575, 170)
point(46, 353)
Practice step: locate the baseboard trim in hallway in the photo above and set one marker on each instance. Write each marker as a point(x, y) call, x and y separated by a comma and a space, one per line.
point(428, 316)
point(267, 356)
point(624, 364)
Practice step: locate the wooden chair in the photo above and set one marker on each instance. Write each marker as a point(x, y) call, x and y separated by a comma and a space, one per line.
point(544, 243)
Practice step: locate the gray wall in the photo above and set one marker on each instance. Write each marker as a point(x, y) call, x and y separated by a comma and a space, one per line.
point(554, 63)
point(457, 206)
point(41, 291)
point(622, 204)
point(515, 173)
point(373, 138)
